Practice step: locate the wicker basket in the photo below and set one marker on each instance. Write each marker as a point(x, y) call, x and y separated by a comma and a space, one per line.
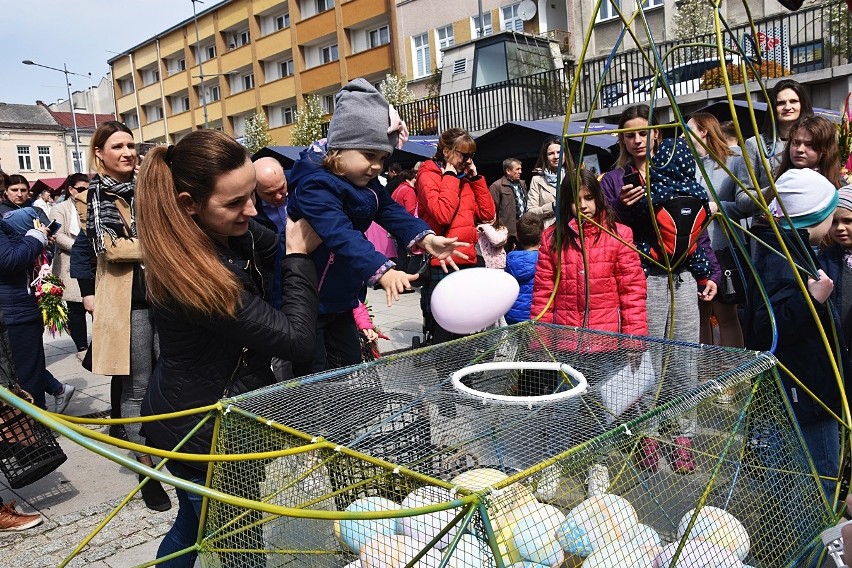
point(28, 449)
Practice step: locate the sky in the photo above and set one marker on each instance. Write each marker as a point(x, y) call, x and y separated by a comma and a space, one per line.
point(81, 34)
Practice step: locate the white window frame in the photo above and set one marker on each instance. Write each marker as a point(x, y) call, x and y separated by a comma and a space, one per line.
point(215, 93)
point(647, 4)
point(184, 103)
point(126, 86)
point(286, 68)
point(248, 81)
point(208, 52)
point(25, 159)
point(607, 11)
point(327, 103)
point(288, 115)
point(130, 119)
point(421, 55)
point(444, 38)
point(329, 54)
point(45, 159)
point(374, 36)
point(155, 113)
point(77, 160)
point(488, 27)
point(323, 5)
point(517, 24)
point(285, 21)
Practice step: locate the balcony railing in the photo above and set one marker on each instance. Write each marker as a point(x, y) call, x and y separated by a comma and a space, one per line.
point(807, 40)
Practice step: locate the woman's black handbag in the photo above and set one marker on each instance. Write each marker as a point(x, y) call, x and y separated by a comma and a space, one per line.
point(732, 289)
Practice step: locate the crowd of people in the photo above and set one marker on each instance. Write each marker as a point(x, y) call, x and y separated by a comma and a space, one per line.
point(207, 275)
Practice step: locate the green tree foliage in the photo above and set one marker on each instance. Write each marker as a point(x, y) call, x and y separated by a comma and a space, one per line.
point(257, 132)
point(395, 89)
point(308, 122)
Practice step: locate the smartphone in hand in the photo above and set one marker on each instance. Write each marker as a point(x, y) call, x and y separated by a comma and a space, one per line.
point(53, 226)
point(634, 179)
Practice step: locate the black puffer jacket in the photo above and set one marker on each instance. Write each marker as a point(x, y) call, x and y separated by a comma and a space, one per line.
point(800, 347)
point(200, 354)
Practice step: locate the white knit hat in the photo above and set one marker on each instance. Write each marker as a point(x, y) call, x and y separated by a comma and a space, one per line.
point(808, 198)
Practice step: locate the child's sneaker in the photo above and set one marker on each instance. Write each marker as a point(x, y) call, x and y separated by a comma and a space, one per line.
point(61, 400)
point(598, 481)
point(683, 458)
point(648, 456)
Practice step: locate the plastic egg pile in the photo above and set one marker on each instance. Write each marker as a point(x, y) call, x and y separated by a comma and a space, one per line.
point(600, 532)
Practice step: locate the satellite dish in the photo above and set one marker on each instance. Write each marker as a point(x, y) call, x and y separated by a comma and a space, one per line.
point(526, 10)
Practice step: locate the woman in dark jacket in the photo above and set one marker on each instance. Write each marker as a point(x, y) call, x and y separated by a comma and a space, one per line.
point(217, 333)
point(18, 254)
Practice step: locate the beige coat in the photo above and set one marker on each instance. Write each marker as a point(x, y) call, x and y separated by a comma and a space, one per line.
point(541, 198)
point(66, 214)
point(113, 297)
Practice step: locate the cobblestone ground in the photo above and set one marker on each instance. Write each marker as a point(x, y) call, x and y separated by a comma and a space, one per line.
point(47, 545)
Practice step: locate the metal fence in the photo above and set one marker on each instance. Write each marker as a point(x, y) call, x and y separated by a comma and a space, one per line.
point(806, 40)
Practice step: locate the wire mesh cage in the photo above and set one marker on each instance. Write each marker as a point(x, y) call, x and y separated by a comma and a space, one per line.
point(613, 451)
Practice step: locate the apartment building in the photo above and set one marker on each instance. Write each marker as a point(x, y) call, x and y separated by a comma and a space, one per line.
point(427, 28)
point(247, 55)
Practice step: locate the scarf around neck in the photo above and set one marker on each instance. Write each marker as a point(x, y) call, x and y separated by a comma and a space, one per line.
point(103, 215)
point(549, 176)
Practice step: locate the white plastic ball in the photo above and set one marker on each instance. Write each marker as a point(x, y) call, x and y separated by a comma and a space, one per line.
point(622, 554)
point(354, 533)
point(469, 300)
point(697, 554)
point(719, 527)
point(595, 522)
point(534, 535)
point(424, 528)
point(391, 551)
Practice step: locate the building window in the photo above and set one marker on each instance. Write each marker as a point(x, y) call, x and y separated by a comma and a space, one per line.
point(378, 36)
point(652, 3)
point(511, 20)
point(130, 119)
point(286, 68)
point(323, 5)
point(208, 52)
point(484, 29)
point(181, 64)
point(125, 86)
point(78, 159)
point(248, 81)
point(25, 161)
point(422, 59)
point(328, 104)
point(155, 113)
point(807, 57)
point(150, 76)
point(445, 38)
point(288, 115)
point(215, 95)
point(608, 9)
point(180, 104)
point(329, 53)
point(282, 21)
point(45, 161)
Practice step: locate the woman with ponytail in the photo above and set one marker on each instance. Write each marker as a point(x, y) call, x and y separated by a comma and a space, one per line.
point(204, 258)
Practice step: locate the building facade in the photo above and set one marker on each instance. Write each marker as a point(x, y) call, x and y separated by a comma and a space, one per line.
point(427, 28)
point(32, 143)
point(249, 55)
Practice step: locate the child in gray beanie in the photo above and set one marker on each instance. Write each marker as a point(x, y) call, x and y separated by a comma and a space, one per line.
point(335, 187)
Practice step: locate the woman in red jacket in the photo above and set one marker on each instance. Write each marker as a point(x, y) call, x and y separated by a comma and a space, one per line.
point(453, 199)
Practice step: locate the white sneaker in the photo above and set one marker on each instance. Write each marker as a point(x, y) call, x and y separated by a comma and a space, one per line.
point(598, 480)
point(61, 400)
point(547, 485)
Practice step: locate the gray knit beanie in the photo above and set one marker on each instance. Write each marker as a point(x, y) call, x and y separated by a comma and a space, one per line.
point(360, 120)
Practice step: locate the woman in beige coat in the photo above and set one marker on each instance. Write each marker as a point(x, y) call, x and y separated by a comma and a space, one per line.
point(107, 261)
point(65, 214)
point(541, 198)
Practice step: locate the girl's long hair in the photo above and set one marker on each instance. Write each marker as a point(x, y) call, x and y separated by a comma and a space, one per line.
point(568, 192)
point(182, 265)
point(717, 146)
point(824, 140)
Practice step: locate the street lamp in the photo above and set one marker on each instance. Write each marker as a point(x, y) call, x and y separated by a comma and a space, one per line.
point(200, 62)
point(70, 102)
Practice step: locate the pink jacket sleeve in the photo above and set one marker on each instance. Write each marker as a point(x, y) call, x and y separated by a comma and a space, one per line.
point(362, 317)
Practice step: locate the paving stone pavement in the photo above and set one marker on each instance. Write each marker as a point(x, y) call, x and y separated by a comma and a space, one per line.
point(79, 495)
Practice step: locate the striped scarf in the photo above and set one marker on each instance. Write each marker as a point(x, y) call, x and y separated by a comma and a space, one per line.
point(103, 216)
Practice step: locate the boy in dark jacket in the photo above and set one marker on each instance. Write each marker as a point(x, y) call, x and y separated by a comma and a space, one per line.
point(520, 263)
point(810, 200)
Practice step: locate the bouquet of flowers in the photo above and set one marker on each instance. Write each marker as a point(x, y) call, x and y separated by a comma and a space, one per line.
point(844, 139)
point(48, 291)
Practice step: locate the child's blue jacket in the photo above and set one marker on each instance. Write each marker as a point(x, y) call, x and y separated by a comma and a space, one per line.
point(340, 213)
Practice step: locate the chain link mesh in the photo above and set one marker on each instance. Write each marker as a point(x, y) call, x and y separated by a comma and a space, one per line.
point(612, 477)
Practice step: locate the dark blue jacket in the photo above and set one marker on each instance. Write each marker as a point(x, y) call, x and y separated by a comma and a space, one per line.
point(800, 347)
point(831, 260)
point(521, 265)
point(17, 257)
point(340, 213)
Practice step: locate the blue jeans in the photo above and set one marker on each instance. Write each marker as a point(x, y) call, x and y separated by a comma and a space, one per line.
point(184, 531)
point(823, 442)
